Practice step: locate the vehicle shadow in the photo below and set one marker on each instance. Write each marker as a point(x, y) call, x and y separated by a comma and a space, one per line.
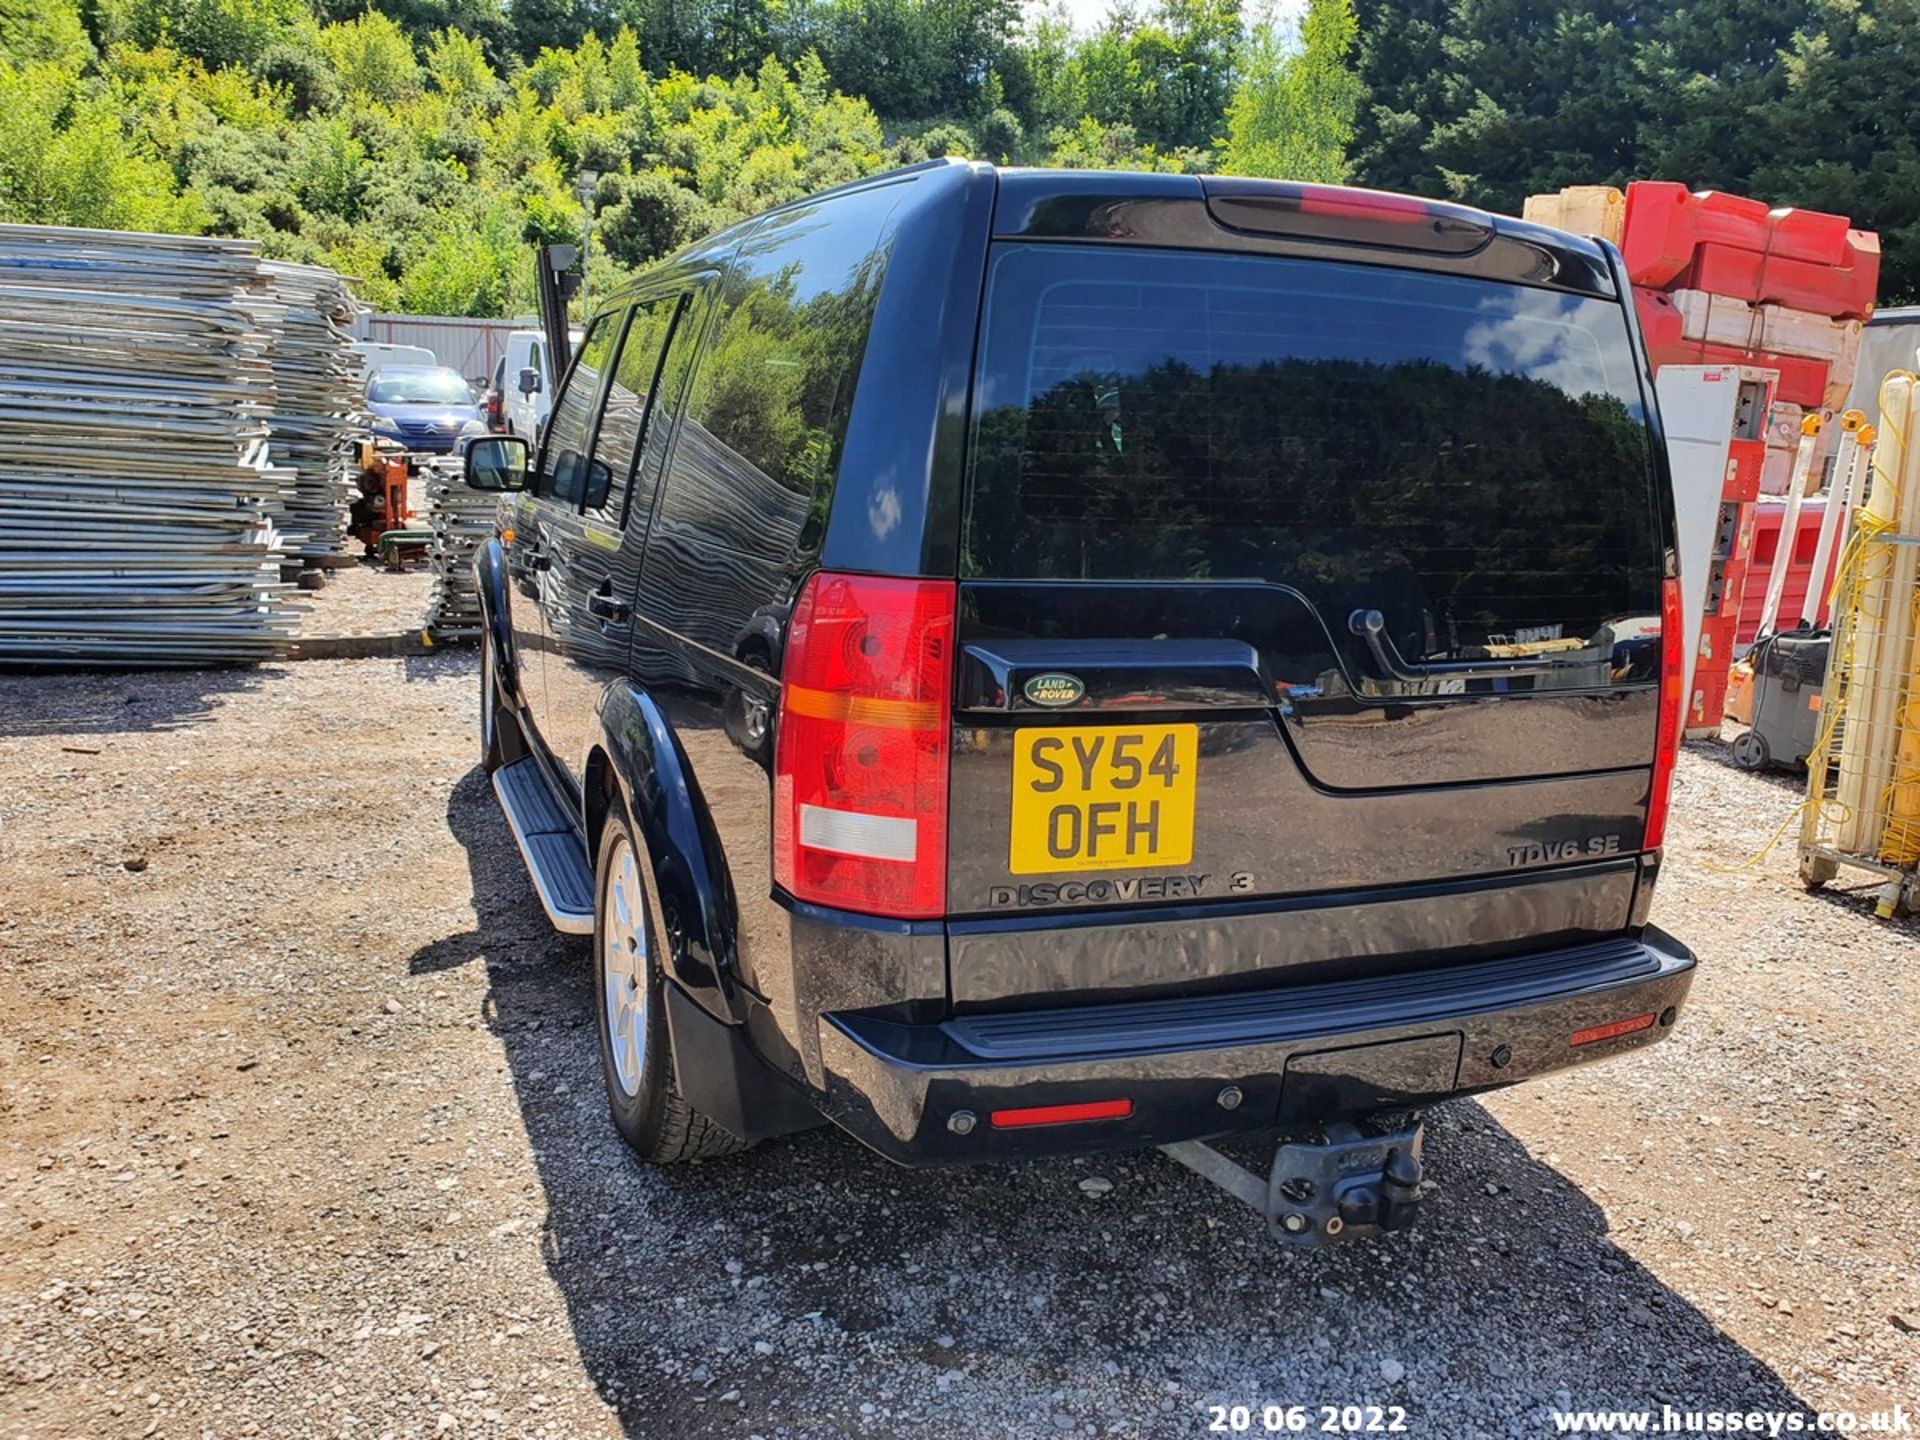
point(809, 1288)
point(97, 702)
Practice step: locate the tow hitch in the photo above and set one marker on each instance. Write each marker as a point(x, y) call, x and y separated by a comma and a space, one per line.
point(1351, 1185)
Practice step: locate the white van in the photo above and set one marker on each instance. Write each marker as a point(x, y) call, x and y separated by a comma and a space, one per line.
point(523, 385)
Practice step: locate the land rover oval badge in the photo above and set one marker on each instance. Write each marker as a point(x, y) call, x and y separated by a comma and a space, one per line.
point(1054, 690)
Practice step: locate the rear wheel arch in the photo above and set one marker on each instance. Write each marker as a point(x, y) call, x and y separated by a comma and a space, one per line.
point(641, 765)
point(600, 791)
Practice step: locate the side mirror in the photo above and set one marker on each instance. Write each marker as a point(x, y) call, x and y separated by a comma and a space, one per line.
point(529, 380)
point(497, 462)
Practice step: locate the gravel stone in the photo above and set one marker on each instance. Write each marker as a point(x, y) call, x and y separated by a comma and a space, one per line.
point(222, 1208)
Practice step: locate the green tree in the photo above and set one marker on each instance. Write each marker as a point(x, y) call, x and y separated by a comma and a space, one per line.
point(1547, 98)
point(1845, 135)
point(457, 66)
point(1407, 84)
point(44, 30)
point(372, 56)
point(1093, 146)
point(643, 218)
point(218, 32)
point(471, 262)
point(1292, 114)
point(67, 158)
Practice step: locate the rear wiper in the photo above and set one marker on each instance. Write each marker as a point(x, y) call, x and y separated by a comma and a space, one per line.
point(1371, 626)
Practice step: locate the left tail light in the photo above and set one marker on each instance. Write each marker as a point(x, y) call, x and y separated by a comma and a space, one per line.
point(1666, 739)
point(862, 745)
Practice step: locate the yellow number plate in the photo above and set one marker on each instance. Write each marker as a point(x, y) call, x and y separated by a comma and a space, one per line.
point(1111, 797)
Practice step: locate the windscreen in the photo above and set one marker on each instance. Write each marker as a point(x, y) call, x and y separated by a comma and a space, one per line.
point(419, 387)
point(1470, 458)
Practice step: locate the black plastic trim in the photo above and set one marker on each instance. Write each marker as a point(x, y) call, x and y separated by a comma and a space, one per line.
point(1296, 1012)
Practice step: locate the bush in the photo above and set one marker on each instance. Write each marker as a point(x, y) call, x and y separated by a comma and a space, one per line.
point(645, 217)
point(949, 140)
point(312, 87)
point(1001, 135)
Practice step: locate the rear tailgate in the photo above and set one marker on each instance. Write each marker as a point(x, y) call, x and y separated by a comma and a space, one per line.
point(1305, 604)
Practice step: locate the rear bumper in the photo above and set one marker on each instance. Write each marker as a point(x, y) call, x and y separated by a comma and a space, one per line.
point(1297, 1054)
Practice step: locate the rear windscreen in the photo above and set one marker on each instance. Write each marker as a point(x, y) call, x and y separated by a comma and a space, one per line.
point(1468, 457)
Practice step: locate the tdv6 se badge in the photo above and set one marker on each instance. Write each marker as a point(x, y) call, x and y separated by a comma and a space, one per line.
point(1548, 852)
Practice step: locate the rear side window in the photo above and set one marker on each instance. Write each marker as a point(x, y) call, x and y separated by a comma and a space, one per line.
point(767, 415)
point(569, 438)
point(1468, 457)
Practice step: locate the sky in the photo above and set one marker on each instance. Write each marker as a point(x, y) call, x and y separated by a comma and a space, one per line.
point(1087, 14)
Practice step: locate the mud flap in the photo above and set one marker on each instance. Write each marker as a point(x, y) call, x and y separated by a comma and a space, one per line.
point(725, 1081)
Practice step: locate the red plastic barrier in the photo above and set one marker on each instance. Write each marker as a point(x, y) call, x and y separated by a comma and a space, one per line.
point(1665, 224)
point(1802, 381)
point(1660, 320)
point(1768, 515)
point(1843, 291)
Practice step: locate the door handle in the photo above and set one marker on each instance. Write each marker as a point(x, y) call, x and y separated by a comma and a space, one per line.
point(602, 606)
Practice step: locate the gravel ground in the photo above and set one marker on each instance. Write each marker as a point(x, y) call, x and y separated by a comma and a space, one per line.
point(301, 1134)
point(367, 599)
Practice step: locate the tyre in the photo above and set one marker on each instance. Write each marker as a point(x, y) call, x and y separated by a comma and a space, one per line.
point(636, 1059)
point(1750, 750)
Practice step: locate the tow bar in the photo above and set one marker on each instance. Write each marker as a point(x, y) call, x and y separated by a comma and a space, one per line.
point(1350, 1186)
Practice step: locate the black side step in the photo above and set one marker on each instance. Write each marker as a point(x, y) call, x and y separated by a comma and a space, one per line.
point(549, 844)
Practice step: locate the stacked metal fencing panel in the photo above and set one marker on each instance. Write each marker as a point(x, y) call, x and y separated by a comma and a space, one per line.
point(140, 513)
point(462, 519)
point(309, 312)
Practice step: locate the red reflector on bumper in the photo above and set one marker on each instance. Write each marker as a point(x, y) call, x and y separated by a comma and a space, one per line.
point(1062, 1114)
point(1608, 1032)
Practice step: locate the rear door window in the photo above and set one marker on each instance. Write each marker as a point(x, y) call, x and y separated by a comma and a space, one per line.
point(630, 410)
point(1468, 457)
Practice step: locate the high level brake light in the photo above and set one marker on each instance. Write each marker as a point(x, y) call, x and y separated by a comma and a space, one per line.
point(1666, 738)
point(860, 758)
point(1342, 214)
